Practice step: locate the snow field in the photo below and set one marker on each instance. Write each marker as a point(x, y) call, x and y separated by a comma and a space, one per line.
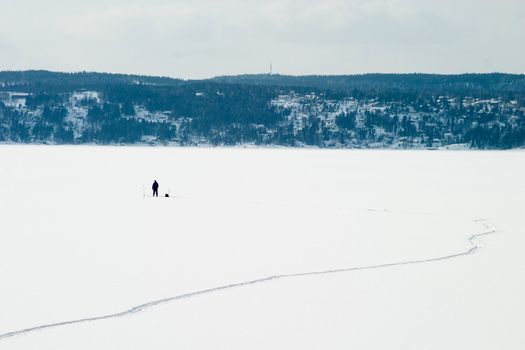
point(79, 239)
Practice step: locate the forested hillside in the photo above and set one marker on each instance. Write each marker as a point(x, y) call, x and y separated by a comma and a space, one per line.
point(485, 111)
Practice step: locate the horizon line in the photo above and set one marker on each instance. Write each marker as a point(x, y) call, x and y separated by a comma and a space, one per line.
point(257, 74)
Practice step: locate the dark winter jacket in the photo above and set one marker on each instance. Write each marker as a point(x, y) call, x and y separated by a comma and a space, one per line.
point(155, 185)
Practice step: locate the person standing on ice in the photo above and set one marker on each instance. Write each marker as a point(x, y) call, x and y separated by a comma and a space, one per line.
point(155, 188)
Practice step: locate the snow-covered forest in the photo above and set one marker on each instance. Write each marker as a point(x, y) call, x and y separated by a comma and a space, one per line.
point(485, 111)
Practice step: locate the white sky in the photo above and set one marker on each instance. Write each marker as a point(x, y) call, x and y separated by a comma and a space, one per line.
point(204, 38)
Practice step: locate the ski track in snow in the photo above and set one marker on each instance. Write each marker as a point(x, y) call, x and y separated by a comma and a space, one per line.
point(473, 240)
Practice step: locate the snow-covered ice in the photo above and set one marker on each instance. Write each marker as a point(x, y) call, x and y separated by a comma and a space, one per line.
point(81, 238)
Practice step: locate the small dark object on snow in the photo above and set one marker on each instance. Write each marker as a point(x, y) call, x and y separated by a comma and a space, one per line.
point(155, 189)
point(166, 195)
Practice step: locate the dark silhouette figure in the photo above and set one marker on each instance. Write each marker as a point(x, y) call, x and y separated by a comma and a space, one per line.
point(155, 188)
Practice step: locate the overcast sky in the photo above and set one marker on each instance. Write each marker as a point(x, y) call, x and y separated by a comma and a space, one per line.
point(204, 38)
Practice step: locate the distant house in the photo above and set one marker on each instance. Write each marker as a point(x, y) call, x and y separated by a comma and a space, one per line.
point(14, 99)
point(449, 138)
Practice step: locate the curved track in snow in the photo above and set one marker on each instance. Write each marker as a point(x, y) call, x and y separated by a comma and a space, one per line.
point(473, 240)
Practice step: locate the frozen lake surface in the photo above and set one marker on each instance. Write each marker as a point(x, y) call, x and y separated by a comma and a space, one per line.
point(260, 249)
